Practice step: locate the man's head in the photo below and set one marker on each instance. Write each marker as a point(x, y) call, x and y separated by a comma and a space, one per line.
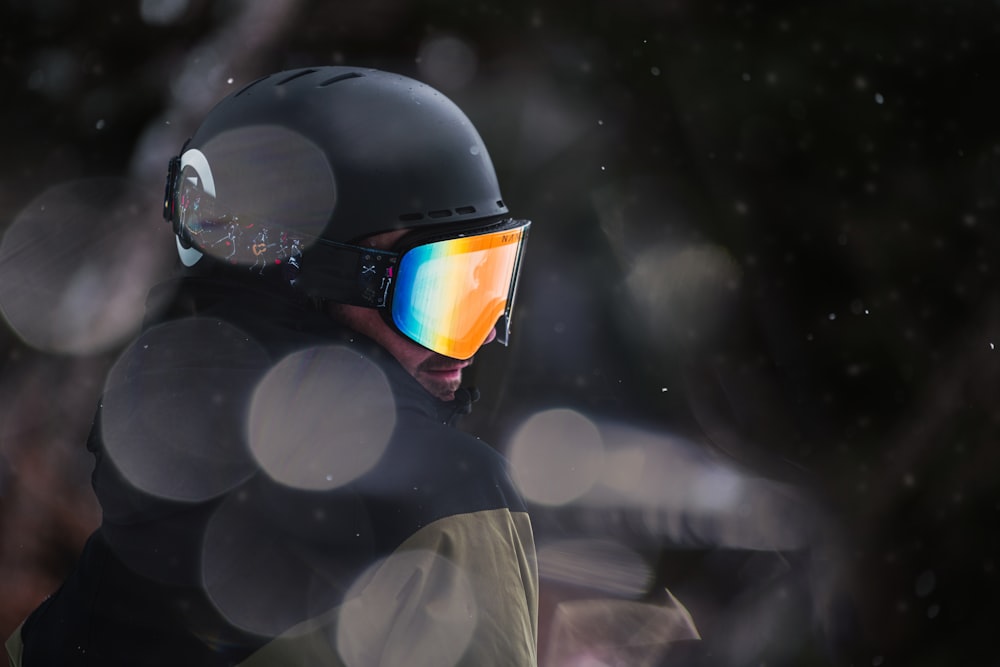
point(362, 189)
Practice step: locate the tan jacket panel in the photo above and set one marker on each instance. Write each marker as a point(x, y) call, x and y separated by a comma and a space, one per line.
point(461, 591)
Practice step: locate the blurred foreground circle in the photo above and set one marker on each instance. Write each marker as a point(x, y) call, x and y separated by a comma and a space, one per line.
point(173, 409)
point(77, 262)
point(556, 456)
point(321, 418)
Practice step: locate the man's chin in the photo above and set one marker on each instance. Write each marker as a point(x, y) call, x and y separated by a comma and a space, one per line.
point(440, 384)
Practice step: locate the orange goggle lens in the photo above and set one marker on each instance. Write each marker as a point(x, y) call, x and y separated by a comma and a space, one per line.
point(450, 294)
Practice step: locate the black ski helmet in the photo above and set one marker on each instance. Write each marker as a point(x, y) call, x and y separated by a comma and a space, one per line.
point(326, 153)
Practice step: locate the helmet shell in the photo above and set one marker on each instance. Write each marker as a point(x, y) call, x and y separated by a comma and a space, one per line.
point(342, 153)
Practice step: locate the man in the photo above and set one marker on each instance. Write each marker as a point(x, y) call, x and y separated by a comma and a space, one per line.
point(279, 478)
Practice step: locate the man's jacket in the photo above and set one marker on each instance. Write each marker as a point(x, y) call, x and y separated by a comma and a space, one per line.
point(278, 491)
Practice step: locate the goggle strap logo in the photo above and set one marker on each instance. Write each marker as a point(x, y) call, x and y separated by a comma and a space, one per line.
point(375, 273)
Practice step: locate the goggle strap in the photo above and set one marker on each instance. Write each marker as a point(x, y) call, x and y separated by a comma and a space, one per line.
point(170, 192)
point(348, 274)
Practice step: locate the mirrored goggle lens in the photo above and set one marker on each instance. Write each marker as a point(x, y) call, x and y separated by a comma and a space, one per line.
point(450, 294)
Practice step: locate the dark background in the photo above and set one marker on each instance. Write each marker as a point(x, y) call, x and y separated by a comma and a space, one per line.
point(768, 226)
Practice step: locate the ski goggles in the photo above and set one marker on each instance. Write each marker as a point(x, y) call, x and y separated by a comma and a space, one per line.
point(446, 291)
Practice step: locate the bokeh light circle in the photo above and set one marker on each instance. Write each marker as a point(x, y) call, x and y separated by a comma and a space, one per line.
point(77, 262)
point(257, 196)
point(273, 558)
point(173, 409)
point(320, 418)
point(556, 456)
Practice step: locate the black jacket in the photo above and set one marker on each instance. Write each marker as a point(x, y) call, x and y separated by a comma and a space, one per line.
point(420, 555)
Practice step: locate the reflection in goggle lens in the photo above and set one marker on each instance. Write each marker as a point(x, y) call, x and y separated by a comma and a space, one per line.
point(450, 294)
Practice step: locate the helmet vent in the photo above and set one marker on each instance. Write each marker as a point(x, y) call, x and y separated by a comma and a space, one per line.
point(442, 213)
point(251, 85)
point(500, 203)
point(304, 72)
point(340, 77)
